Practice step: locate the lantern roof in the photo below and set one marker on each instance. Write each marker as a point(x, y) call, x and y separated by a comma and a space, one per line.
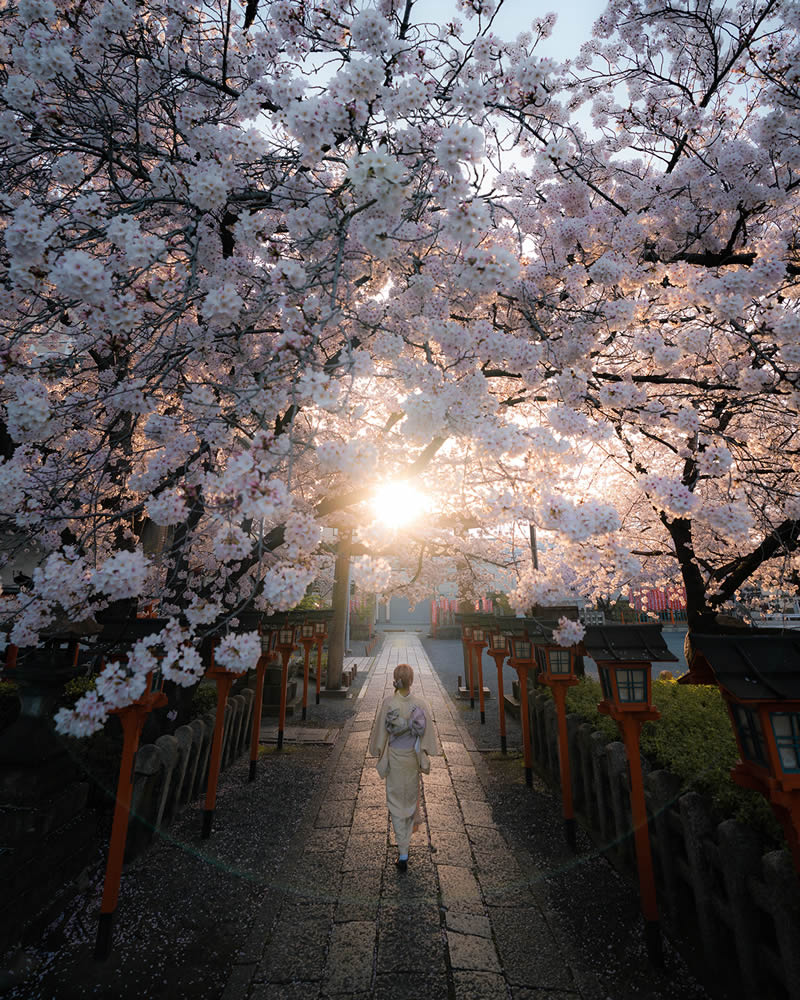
point(753, 667)
point(627, 644)
point(549, 614)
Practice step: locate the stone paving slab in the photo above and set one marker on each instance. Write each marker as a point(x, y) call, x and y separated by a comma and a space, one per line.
point(452, 847)
point(410, 939)
point(480, 986)
point(468, 951)
point(341, 791)
point(360, 895)
point(476, 924)
point(462, 923)
point(349, 968)
point(335, 813)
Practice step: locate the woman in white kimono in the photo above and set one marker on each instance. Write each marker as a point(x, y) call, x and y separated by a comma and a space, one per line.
point(402, 739)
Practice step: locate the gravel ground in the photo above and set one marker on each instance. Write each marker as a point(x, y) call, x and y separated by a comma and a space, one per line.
point(185, 905)
point(597, 906)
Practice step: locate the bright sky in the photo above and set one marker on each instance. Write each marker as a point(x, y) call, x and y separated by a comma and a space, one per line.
point(573, 27)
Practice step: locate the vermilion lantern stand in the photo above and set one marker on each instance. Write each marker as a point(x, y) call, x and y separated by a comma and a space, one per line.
point(477, 646)
point(466, 639)
point(224, 680)
point(558, 673)
point(11, 656)
point(522, 661)
point(307, 641)
point(320, 635)
point(285, 647)
point(258, 698)
point(624, 655)
point(132, 718)
point(498, 650)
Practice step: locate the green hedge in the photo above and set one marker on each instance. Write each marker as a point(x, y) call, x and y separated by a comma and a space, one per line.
point(9, 703)
point(693, 739)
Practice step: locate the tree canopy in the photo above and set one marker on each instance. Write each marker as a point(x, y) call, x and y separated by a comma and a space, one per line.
point(259, 259)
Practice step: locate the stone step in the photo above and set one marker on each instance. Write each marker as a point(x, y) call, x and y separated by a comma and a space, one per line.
point(463, 692)
point(299, 734)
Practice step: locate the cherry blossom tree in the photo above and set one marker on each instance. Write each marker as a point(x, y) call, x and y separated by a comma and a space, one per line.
point(259, 259)
point(663, 247)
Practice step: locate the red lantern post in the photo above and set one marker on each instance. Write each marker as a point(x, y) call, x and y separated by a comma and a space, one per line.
point(466, 641)
point(258, 699)
point(307, 641)
point(320, 635)
point(522, 661)
point(285, 647)
point(759, 677)
point(132, 717)
point(624, 655)
point(224, 680)
point(498, 650)
point(478, 643)
point(627, 700)
point(557, 666)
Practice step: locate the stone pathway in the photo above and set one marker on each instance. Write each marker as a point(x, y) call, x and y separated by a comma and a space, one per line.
point(464, 923)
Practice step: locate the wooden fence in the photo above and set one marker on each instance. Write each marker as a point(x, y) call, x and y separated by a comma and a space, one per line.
point(733, 910)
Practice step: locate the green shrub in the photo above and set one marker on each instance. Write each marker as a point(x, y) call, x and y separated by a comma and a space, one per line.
point(583, 700)
point(204, 698)
point(75, 688)
point(693, 740)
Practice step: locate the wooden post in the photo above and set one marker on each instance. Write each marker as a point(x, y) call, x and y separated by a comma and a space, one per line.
point(522, 673)
point(559, 689)
point(286, 655)
point(224, 680)
point(631, 728)
point(471, 676)
point(258, 698)
point(499, 656)
point(307, 644)
point(319, 665)
point(479, 659)
point(132, 718)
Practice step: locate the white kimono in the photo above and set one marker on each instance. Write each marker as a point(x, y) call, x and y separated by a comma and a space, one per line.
point(404, 744)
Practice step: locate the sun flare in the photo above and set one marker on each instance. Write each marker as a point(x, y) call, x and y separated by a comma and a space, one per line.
point(398, 503)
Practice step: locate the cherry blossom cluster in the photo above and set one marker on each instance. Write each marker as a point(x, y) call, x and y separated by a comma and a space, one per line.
point(569, 632)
